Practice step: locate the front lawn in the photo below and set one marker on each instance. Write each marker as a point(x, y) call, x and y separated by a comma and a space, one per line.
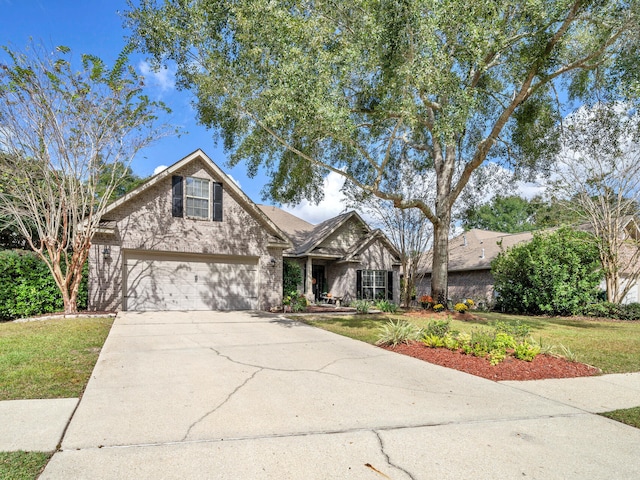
point(22, 465)
point(49, 358)
point(630, 416)
point(612, 346)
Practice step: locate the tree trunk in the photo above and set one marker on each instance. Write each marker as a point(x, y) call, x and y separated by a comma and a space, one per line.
point(440, 262)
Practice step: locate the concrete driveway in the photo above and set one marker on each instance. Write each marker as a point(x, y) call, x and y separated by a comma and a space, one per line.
point(216, 395)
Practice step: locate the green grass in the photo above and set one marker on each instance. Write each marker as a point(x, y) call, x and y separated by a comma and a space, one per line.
point(49, 358)
point(612, 346)
point(630, 416)
point(22, 465)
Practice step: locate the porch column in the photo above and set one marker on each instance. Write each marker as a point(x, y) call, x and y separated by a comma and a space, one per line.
point(309, 292)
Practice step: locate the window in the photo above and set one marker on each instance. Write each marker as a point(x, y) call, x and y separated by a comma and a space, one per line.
point(197, 195)
point(197, 199)
point(375, 284)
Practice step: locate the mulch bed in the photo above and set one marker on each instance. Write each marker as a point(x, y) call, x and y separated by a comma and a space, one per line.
point(543, 366)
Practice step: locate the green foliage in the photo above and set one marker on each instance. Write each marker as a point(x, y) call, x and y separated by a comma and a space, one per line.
point(361, 306)
point(515, 328)
point(432, 341)
point(386, 306)
point(511, 214)
point(439, 328)
point(27, 287)
point(630, 311)
point(291, 276)
point(553, 274)
point(526, 351)
point(370, 89)
point(393, 333)
point(296, 301)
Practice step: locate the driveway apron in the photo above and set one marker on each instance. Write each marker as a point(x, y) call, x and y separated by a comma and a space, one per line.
point(231, 395)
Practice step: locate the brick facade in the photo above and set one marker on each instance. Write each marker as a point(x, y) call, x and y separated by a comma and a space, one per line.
point(144, 223)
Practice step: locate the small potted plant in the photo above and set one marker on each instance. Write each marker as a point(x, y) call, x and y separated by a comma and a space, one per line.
point(426, 301)
point(460, 307)
point(438, 307)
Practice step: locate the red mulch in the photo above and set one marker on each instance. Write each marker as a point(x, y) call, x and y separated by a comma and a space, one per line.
point(543, 366)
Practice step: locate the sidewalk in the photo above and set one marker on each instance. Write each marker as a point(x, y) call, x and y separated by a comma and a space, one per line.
point(34, 425)
point(247, 395)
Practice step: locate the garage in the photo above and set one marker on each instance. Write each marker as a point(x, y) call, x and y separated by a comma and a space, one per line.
point(165, 281)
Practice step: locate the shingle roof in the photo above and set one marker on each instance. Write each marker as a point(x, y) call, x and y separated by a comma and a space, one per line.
point(476, 249)
point(306, 237)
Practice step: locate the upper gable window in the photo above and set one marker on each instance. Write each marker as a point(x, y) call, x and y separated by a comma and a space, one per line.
point(197, 196)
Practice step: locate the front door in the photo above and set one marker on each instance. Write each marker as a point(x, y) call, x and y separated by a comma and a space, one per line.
point(318, 281)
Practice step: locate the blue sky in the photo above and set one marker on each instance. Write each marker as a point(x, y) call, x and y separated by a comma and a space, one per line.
point(96, 27)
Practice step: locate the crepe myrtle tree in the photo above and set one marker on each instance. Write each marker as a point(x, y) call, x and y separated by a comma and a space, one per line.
point(66, 138)
point(301, 88)
point(598, 172)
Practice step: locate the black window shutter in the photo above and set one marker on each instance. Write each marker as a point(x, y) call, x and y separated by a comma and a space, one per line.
point(390, 285)
point(177, 199)
point(217, 202)
point(358, 283)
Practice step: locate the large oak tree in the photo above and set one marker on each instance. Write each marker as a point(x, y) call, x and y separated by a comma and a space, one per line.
point(363, 87)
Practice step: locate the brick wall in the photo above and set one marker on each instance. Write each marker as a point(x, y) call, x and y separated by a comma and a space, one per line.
point(145, 223)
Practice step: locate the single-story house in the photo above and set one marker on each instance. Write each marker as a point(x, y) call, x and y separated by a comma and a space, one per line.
point(190, 239)
point(341, 256)
point(470, 257)
point(471, 254)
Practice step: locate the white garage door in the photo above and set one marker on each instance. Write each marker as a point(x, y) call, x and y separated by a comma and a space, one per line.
point(168, 282)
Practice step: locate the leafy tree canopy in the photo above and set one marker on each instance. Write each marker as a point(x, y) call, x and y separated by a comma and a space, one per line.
point(364, 88)
point(514, 214)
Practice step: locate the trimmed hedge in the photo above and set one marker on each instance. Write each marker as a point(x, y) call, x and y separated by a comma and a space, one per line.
point(27, 287)
point(629, 311)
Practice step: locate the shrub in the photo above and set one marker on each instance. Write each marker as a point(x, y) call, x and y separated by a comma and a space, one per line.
point(291, 276)
point(361, 306)
point(438, 307)
point(629, 311)
point(632, 311)
point(433, 341)
point(386, 306)
point(296, 300)
point(516, 329)
point(393, 333)
point(27, 287)
point(553, 274)
point(526, 351)
point(469, 303)
point(439, 328)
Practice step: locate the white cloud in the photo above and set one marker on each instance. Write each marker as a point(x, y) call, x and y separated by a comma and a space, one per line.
point(159, 169)
point(529, 190)
point(234, 181)
point(334, 202)
point(164, 78)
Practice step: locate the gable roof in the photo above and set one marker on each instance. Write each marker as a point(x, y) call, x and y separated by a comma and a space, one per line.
point(279, 237)
point(308, 238)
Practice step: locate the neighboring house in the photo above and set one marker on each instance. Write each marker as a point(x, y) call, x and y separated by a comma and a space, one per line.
point(190, 239)
point(341, 256)
point(470, 257)
point(471, 254)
